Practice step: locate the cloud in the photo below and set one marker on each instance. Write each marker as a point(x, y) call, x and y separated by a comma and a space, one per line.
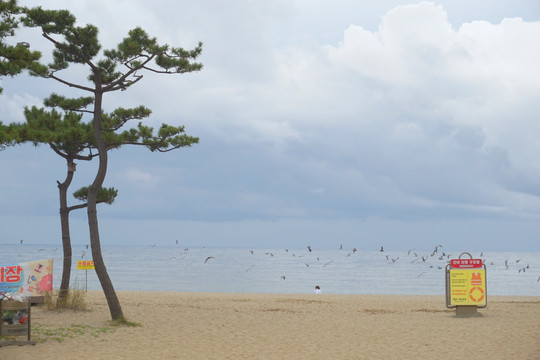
point(426, 107)
point(386, 110)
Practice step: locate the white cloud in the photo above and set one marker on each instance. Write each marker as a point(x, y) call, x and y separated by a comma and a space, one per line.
point(353, 109)
point(140, 179)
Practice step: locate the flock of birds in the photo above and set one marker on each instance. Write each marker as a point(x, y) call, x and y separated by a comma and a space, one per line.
point(436, 259)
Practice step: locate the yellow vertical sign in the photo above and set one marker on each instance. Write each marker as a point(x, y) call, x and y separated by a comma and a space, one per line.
point(468, 287)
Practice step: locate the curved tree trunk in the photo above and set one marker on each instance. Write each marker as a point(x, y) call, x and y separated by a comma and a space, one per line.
point(66, 238)
point(93, 189)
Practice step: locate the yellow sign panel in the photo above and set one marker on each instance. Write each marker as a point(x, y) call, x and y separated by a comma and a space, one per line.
point(468, 287)
point(85, 265)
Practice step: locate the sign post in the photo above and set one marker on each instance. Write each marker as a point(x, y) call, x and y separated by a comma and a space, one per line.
point(85, 265)
point(466, 285)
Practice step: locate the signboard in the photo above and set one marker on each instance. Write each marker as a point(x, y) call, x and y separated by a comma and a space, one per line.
point(85, 265)
point(466, 284)
point(27, 279)
point(466, 263)
point(467, 287)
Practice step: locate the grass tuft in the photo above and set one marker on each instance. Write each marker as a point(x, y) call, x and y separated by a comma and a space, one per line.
point(123, 322)
point(42, 333)
point(72, 299)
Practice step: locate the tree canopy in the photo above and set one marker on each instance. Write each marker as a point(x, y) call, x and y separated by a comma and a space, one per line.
point(13, 58)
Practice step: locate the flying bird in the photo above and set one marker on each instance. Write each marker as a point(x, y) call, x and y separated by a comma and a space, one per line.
point(21, 240)
point(208, 258)
point(249, 268)
point(309, 248)
point(283, 277)
point(382, 249)
point(328, 263)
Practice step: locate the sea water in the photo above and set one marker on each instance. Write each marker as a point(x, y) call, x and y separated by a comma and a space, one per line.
point(239, 270)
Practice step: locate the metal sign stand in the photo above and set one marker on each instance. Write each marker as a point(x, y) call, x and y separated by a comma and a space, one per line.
point(463, 293)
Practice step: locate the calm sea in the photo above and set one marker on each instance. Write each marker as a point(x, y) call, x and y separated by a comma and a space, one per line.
point(283, 270)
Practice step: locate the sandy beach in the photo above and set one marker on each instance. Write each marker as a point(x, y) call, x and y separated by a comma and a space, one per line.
point(176, 325)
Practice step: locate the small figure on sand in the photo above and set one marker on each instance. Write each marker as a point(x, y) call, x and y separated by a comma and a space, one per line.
point(317, 289)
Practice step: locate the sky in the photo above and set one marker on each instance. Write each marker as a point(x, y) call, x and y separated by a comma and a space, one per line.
point(324, 123)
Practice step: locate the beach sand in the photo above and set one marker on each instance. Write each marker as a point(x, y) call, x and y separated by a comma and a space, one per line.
point(177, 325)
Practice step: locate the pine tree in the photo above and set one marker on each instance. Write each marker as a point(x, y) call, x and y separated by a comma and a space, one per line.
point(110, 71)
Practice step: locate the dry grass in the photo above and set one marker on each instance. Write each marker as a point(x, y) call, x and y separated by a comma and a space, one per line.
point(75, 299)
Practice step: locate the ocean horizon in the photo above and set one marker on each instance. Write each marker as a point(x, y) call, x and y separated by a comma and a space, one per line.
point(243, 270)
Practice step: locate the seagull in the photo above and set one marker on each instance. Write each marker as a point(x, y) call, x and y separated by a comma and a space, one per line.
point(309, 248)
point(328, 263)
point(251, 251)
point(340, 246)
point(176, 242)
point(382, 249)
point(208, 258)
point(87, 246)
point(307, 265)
point(422, 273)
point(249, 268)
point(283, 277)
point(21, 240)
point(154, 245)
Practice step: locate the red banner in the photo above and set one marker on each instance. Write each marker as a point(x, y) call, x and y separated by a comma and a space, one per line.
point(465, 263)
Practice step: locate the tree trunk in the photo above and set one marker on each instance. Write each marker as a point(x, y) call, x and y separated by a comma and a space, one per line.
point(66, 238)
point(101, 271)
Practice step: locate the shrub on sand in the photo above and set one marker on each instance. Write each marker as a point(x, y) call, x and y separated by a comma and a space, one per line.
point(74, 299)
